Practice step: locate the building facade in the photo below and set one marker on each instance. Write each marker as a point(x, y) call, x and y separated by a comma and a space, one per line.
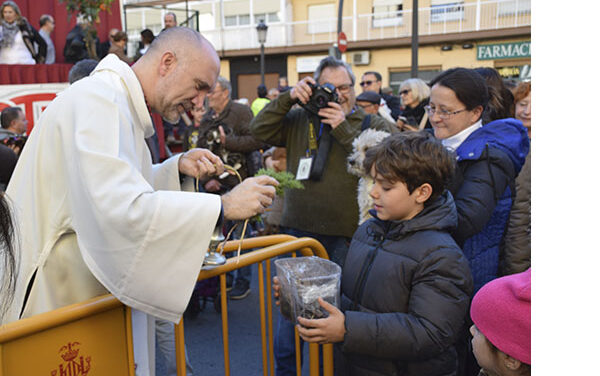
point(452, 33)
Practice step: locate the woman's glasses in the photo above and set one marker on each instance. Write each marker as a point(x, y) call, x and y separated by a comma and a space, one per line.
point(443, 114)
point(404, 92)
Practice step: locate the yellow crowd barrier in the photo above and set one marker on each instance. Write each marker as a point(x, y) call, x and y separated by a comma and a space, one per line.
point(96, 334)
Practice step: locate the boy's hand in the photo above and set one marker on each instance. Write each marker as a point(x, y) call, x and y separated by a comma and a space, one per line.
point(327, 330)
point(276, 286)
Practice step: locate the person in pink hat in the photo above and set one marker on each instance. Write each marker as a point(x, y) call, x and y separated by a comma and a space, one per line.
point(501, 314)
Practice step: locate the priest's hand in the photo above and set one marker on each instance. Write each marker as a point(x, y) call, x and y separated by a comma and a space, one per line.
point(249, 198)
point(200, 164)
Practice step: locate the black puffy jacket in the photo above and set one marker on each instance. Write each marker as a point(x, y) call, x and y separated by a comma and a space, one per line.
point(405, 294)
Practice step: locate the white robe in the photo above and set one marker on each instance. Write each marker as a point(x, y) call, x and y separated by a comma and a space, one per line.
point(93, 213)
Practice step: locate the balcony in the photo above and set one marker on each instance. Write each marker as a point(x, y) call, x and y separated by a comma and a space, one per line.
point(458, 17)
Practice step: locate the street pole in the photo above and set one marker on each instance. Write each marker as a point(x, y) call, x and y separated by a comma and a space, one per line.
point(336, 50)
point(414, 67)
point(262, 63)
point(261, 29)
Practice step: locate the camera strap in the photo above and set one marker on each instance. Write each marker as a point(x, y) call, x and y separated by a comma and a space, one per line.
point(321, 146)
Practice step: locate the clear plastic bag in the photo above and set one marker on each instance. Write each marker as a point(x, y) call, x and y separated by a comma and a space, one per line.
point(303, 280)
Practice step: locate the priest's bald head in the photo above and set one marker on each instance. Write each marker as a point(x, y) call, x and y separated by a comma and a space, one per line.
point(179, 68)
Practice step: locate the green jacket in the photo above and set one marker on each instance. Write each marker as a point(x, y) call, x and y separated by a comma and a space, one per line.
point(328, 206)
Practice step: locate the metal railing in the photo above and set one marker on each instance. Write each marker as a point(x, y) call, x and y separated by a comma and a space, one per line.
point(103, 325)
point(459, 17)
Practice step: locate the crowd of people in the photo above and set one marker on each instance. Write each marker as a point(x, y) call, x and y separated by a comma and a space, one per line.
point(445, 256)
point(22, 43)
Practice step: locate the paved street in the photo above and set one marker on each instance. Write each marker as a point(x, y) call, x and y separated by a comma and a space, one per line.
point(203, 337)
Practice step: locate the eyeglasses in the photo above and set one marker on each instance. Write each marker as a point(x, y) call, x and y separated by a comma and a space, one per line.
point(363, 106)
point(366, 83)
point(404, 92)
point(444, 114)
point(343, 89)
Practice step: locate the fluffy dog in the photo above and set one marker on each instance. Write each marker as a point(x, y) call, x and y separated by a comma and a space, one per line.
point(361, 144)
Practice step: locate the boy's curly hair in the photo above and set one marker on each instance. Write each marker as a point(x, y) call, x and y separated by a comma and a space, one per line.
point(414, 158)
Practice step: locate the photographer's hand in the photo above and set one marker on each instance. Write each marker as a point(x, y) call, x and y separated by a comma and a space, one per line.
point(302, 90)
point(332, 115)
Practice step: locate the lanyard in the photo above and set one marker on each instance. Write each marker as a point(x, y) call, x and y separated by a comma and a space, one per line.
point(313, 139)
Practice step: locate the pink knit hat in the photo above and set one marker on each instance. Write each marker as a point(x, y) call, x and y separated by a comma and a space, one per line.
point(501, 310)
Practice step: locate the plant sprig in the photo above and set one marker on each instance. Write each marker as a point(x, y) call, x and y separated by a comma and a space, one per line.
point(285, 179)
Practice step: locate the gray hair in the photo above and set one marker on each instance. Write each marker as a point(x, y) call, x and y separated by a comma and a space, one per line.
point(82, 69)
point(225, 85)
point(419, 88)
point(332, 62)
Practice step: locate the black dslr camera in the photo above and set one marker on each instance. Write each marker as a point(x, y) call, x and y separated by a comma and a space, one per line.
point(16, 141)
point(321, 96)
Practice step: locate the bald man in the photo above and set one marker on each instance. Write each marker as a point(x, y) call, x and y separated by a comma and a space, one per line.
point(96, 216)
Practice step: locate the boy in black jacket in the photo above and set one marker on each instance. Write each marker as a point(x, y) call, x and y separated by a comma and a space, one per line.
point(405, 283)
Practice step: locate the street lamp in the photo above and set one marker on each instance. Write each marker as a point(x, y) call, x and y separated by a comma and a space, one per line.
point(261, 29)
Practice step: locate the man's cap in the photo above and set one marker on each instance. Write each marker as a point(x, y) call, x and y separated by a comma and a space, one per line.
point(369, 96)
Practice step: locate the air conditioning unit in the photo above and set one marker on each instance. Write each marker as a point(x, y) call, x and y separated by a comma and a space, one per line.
point(360, 57)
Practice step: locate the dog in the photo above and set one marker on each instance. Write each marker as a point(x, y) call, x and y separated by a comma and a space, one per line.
point(360, 145)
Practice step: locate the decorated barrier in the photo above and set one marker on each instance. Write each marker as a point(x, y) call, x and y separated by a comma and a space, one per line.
point(95, 337)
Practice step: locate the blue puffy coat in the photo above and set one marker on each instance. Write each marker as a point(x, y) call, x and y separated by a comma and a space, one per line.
point(488, 162)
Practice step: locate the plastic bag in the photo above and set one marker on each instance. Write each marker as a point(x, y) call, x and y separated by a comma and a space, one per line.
point(303, 280)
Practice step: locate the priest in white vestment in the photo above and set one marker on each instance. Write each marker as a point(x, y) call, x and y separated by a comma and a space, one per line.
point(95, 216)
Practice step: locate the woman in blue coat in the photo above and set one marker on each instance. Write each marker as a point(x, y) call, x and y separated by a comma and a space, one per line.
point(489, 158)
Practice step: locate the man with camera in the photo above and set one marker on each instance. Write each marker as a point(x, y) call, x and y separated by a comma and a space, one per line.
point(14, 126)
point(318, 139)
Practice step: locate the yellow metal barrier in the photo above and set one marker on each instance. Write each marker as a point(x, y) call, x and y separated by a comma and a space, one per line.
point(66, 341)
point(271, 246)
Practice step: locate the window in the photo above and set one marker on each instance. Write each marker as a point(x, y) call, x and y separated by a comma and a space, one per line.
point(387, 13)
point(237, 20)
point(400, 75)
point(443, 11)
point(272, 17)
point(322, 18)
point(512, 7)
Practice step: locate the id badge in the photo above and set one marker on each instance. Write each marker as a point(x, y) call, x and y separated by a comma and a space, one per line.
point(304, 166)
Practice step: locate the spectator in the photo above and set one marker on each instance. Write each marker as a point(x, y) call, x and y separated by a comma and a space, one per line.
point(105, 46)
point(8, 161)
point(516, 251)
point(369, 101)
point(274, 158)
point(170, 20)
point(46, 28)
point(147, 38)
point(414, 93)
point(192, 134)
point(390, 104)
point(326, 209)
point(283, 84)
point(8, 257)
point(489, 158)
point(501, 314)
point(226, 133)
point(273, 93)
point(261, 101)
point(14, 125)
point(406, 285)
point(81, 69)
point(75, 46)
point(20, 43)
point(118, 47)
point(501, 104)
